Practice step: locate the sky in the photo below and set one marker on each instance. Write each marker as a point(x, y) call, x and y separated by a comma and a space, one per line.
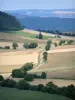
point(36, 4)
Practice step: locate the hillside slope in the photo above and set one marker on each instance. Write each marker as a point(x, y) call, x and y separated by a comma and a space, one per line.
point(9, 22)
point(27, 95)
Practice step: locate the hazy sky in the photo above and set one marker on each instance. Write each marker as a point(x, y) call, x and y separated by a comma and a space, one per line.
point(36, 4)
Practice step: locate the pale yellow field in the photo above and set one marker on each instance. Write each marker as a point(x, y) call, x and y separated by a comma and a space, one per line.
point(10, 60)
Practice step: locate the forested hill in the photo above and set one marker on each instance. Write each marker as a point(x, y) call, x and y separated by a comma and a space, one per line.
point(9, 22)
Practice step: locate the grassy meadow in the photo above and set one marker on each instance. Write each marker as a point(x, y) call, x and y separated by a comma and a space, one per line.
point(15, 94)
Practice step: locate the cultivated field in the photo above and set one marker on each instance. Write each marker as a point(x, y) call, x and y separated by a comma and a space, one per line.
point(48, 34)
point(16, 94)
point(60, 64)
point(58, 82)
point(10, 60)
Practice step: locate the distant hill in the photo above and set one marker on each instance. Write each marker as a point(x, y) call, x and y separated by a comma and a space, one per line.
point(9, 22)
point(56, 19)
point(49, 23)
point(61, 13)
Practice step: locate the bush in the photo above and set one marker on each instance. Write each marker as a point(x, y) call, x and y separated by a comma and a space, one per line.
point(51, 88)
point(43, 75)
point(36, 76)
point(1, 47)
point(14, 45)
point(28, 66)
point(25, 46)
point(7, 47)
point(45, 56)
point(23, 85)
point(29, 77)
point(55, 44)
point(1, 78)
point(8, 83)
point(47, 47)
point(70, 42)
point(18, 73)
point(32, 45)
point(40, 87)
point(40, 36)
point(49, 42)
point(62, 42)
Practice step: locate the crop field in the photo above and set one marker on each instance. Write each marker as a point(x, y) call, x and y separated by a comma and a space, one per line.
point(10, 60)
point(16, 94)
point(60, 65)
point(28, 34)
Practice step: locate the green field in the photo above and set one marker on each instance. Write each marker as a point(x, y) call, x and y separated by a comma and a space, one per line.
point(26, 34)
point(15, 94)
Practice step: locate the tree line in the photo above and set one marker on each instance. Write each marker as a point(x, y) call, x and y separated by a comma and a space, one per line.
point(57, 32)
point(9, 22)
point(68, 91)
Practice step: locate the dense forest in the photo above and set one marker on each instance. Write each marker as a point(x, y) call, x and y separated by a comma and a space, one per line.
point(9, 22)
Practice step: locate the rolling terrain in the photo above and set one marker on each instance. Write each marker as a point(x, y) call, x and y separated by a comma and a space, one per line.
point(27, 95)
point(60, 63)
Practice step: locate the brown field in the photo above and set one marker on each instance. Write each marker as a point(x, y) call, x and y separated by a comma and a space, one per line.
point(10, 60)
point(64, 47)
point(6, 37)
point(59, 65)
point(59, 82)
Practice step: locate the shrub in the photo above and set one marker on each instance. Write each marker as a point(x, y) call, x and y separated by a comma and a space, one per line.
point(49, 42)
point(47, 47)
point(7, 47)
point(36, 76)
point(40, 36)
point(43, 75)
point(70, 42)
point(55, 44)
point(32, 45)
point(28, 66)
point(14, 45)
point(23, 85)
point(45, 56)
point(1, 78)
point(40, 87)
point(25, 46)
point(8, 83)
point(61, 42)
point(33, 87)
point(1, 47)
point(51, 88)
point(29, 77)
point(18, 73)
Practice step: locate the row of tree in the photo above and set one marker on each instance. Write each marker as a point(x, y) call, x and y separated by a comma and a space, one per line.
point(26, 46)
point(64, 42)
point(57, 32)
point(68, 91)
point(22, 73)
point(48, 45)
